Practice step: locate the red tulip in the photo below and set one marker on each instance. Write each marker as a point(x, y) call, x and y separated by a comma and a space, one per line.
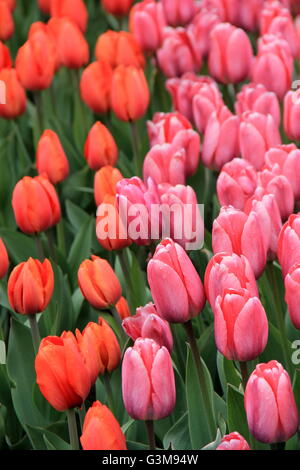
point(7, 26)
point(5, 59)
point(100, 147)
point(147, 23)
point(119, 48)
point(4, 261)
point(74, 10)
point(288, 250)
point(13, 101)
point(117, 7)
point(291, 282)
point(178, 13)
point(256, 98)
point(95, 85)
point(105, 183)
point(233, 441)
point(44, 5)
point(51, 158)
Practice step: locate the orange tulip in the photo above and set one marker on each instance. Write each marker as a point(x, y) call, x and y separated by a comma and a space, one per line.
point(11, 4)
point(100, 147)
point(105, 182)
point(129, 93)
point(6, 21)
point(51, 158)
point(61, 372)
point(14, 103)
point(117, 7)
point(44, 5)
point(4, 261)
point(30, 286)
point(5, 59)
point(123, 308)
point(95, 86)
point(74, 10)
point(101, 430)
point(35, 204)
point(98, 283)
point(119, 48)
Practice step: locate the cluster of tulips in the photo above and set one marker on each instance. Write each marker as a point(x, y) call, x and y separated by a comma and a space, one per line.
point(175, 102)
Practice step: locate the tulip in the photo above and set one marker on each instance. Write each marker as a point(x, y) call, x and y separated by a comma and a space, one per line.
point(35, 204)
point(275, 183)
point(51, 158)
point(201, 27)
point(10, 3)
point(178, 13)
point(248, 235)
point(179, 53)
point(258, 99)
point(95, 85)
point(100, 147)
point(135, 203)
point(165, 164)
point(30, 286)
point(270, 404)
point(148, 324)
point(123, 308)
point(119, 48)
point(220, 143)
point(4, 261)
point(175, 285)
point(72, 47)
point(236, 183)
point(287, 157)
point(101, 430)
point(99, 347)
point(249, 12)
point(241, 325)
point(105, 183)
point(230, 55)
point(225, 271)
point(7, 26)
point(129, 93)
point(228, 10)
point(147, 23)
point(61, 372)
point(44, 5)
point(5, 59)
point(74, 10)
point(117, 7)
point(291, 282)
point(233, 441)
point(206, 101)
point(258, 133)
point(291, 115)
point(148, 384)
point(176, 129)
point(273, 65)
point(14, 95)
point(288, 250)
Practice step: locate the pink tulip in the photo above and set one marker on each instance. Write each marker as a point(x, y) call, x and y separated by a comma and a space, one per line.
point(227, 9)
point(291, 115)
point(236, 183)
point(288, 250)
point(220, 143)
point(241, 325)
point(292, 291)
point(287, 157)
point(257, 98)
point(233, 441)
point(207, 100)
point(248, 235)
point(175, 285)
point(148, 384)
point(275, 183)
point(178, 12)
point(273, 66)
point(179, 53)
point(257, 134)
point(270, 404)
point(230, 55)
point(165, 164)
point(201, 27)
point(147, 23)
point(148, 324)
point(249, 12)
point(226, 271)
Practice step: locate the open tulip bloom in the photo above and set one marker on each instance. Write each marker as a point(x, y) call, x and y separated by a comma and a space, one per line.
point(149, 227)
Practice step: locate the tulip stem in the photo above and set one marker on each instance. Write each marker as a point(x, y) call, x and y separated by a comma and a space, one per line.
point(82, 413)
point(39, 247)
point(201, 376)
point(39, 111)
point(124, 262)
point(73, 429)
point(244, 373)
point(108, 390)
point(35, 333)
point(150, 432)
point(136, 147)
point(117, 318)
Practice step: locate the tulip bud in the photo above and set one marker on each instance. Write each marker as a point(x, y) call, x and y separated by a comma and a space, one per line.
point(10, 3)
point(233, 441)
point(51, 158)
point(5, 59)
point(148, 324)
point(275, 183)
point(288, 250)
point(287, 157)
point(35, 204)
point(225, 271)
point(44, 5)
point(258, 133)
point(101, 430)
point(117, 7)
point(98, 283)
point(258, 99)
point(175, 285)
point(100, 147)
point(61, 372)
point(179, 53)
point(236, 183)
point(205, 102)
point(239, 316)
point(7, 26)
point(201, 27)
point(291, 111)
point(74, 10)
point(228, 10)
point(220, 143)
point(30, 286)
point(165, 164)
point(292, 282)
point(147, 23)
point(4, 261)
point(119, 48)
point(148, 383)
point(129, 93)
point(95, 85)
point(123, 308)
point(178, 12)
point(270, 404)
point(249, 12)
point(105, 183)
point(15, 96)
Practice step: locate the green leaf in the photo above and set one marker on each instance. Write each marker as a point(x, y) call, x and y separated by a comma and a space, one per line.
point(81, 247)
point(54, 442)
point(20, 247)
point(237, 419)
point(177, 438)
point(228, 374)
